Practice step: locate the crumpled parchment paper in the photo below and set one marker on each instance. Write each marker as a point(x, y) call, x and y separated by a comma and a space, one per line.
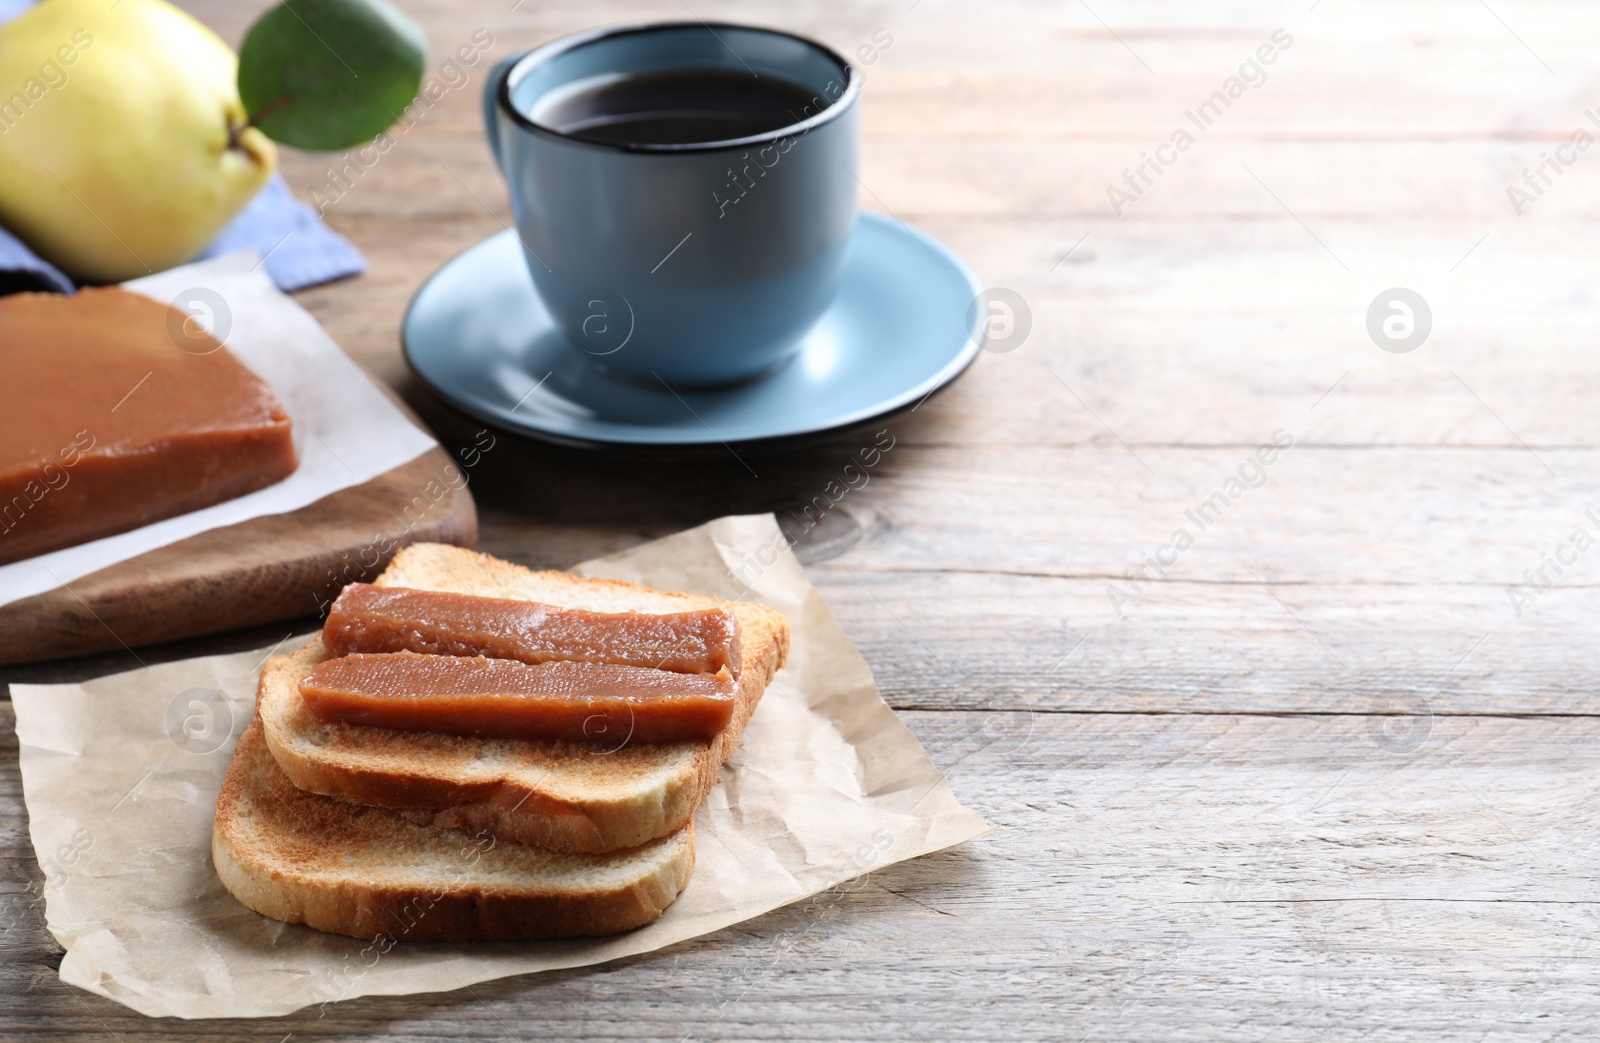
point(121, 774)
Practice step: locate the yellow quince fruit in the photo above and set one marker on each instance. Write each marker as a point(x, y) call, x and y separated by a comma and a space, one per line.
point(124, 148)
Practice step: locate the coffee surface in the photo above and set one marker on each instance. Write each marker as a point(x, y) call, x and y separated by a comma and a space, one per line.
point(682, 107)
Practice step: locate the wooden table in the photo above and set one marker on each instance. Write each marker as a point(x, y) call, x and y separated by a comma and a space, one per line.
point(1321, 775)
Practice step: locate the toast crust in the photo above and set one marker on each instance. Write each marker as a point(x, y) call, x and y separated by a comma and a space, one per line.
point(289, 855)
point(559, 796)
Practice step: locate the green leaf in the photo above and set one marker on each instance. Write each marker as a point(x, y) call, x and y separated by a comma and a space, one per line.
point(329, 74)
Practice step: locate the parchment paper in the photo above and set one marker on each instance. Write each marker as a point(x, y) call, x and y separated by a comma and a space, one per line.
point(827, 784)
point(345, 430)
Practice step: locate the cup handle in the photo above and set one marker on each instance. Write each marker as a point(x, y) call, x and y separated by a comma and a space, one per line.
point(491, 105)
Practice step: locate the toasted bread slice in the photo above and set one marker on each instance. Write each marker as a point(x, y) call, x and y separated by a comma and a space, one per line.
point(562, 796)
point(369, 873)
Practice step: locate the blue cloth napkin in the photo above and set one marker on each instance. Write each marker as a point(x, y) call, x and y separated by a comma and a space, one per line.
point(300, 250)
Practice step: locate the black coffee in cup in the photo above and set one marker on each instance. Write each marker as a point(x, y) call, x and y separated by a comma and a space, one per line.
point(697, 181)
point(679, 107)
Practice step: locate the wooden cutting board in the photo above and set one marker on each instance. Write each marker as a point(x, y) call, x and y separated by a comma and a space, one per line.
point(282, 566)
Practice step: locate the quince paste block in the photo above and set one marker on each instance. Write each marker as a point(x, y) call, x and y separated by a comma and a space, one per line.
point(115, 412)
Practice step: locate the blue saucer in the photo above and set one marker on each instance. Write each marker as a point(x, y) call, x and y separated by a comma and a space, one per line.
point(477, 334)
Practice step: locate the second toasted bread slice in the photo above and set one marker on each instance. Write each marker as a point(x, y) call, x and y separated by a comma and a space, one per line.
point(368, 873)
point(561, 796)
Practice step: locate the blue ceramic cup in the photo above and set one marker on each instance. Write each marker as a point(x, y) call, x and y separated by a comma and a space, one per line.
point(693, 264)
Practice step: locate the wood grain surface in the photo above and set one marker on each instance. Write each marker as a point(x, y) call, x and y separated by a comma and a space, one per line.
point(1323, 774)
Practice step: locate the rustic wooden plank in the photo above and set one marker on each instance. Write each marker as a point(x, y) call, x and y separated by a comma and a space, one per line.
point(1308, 515)
point(1037, 70)
point(1210, 648)
point(1204, 333)
point(916, 177)
point(1151, 878)
point(1422, 517)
